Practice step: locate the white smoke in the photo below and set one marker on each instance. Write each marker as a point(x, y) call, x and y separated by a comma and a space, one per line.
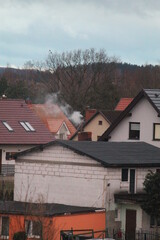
point(52, 99)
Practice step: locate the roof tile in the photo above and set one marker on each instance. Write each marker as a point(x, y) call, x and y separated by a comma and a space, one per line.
point(52, 116)
point(123, 103)
point(13, 111)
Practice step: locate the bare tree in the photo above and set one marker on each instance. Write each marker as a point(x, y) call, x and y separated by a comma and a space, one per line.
point(82, 77)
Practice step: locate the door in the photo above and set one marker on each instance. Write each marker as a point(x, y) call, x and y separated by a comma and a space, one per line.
point(132, 181)
point(130, 224)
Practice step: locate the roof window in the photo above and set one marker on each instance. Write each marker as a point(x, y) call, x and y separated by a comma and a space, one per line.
point(7, 126)
point(27, 126)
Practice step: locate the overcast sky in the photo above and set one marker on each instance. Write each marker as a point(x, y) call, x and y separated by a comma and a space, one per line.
point(127, 29)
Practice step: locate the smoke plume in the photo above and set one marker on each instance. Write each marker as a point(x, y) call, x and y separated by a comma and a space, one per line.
point(54, 106)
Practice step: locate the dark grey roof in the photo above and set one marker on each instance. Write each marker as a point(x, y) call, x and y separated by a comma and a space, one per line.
point(111, 115)
point(45, 209)
point(111, 154)
point(128, 197)
point(154, 96)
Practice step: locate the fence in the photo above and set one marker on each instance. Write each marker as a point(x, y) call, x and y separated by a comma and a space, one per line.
point(138, 235)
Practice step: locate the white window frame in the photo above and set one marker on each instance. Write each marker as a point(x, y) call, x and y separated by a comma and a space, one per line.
point(30, 126)
point(27, 126)
point(30, 231)
point(3, 236)
point(7, 126)
point(126, 184)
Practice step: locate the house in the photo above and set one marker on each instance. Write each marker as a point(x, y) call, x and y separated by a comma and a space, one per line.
point(106, 175)
point(47, 220)
point(96, 123)
point(54, 119)
point(20, 129)
point(123, 103)
point(140, 121)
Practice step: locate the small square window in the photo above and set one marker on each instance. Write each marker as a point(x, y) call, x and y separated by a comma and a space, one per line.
point(134, 130)
point(156, 131)
point(124, 176)
point(100, 122)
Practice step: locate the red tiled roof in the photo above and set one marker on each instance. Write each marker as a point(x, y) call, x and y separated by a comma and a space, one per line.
point(53, 117)
point(123, 103)
point(54, 124)
point(13, 111)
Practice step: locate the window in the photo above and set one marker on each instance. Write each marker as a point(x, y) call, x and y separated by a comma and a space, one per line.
point(33, 229)
point(156, 131)
point(7, 126)
point(134, 130)
point(5, 227)
point(9, 155)
point(61, 136)
point(100, 122)
point(153, 222)
point(128, 175)
point(27, 126)
point(124, 177)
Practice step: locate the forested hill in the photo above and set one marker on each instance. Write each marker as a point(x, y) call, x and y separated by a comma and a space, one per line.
point(98, 85)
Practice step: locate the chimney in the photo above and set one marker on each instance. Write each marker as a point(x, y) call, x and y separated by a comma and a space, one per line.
point(28, 101)
point(85, 136)
point(89, 113)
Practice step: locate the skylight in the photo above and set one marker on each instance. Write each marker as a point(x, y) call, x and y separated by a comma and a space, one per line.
point(7, 126)
point(27, 126)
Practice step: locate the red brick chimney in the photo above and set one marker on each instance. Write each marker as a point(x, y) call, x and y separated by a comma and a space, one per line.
point(85, 136)
point(89, 113)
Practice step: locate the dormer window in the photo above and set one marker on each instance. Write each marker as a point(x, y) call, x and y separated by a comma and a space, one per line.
point(7, 126)
point(27, 126)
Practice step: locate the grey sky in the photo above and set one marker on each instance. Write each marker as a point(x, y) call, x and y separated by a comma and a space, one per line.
point(127, 29)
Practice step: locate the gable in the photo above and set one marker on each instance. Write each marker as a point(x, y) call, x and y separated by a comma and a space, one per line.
point(57, 154)
point(63, 129)
point(144, 113)
point(94, 126)
point(151, 95)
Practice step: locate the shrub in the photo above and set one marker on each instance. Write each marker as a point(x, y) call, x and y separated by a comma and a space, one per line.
point(20, 236)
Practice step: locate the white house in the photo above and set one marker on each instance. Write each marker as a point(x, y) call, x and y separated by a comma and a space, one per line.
point(92, 174)
point(140, 121)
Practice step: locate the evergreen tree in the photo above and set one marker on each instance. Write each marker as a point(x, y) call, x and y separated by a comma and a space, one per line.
point(151, 204)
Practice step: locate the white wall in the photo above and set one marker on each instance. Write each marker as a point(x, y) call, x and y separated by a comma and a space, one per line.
point(12, 148)
point(62, 176)
point(144, 113)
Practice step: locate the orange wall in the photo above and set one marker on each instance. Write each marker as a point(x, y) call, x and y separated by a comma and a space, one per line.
point(52, 226)
point(95, 221)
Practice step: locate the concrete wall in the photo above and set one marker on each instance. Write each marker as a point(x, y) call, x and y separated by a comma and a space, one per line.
point(144, 113)
point(95, 128)
point(63, 176)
